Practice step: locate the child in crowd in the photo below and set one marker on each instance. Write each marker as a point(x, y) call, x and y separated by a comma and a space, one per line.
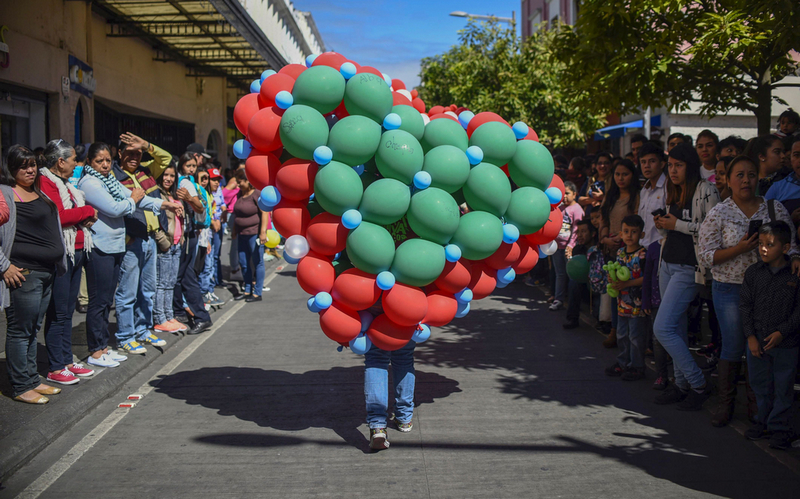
point(585, 236)
point(571, 212)
point(601, 302)
point(651, 299)
point(631, 328)
point(788, 122)
point(770, 309)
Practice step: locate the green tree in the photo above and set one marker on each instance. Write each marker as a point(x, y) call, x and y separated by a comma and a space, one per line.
point(491, 69)
point(722, 54)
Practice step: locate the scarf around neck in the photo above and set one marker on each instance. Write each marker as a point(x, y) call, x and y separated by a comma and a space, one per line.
point(115, 188)
point(71, 197)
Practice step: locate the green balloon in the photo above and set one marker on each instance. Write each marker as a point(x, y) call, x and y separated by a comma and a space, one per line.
point(411, 120)
point(488, 189)
point(370, 248)
point(532, 165)
point(368, 95)
point(385, 201)
point(444, 132)
point(354, 140)
point(337, 188)
point(433, 215)
point(399, 156)
point(578, 268)
point(448, 167)
point(529, 209)
point(418, 262)
point(479, 235)
point(496, 140)
point(302, 130)
point(314, 208)
point(320, 87)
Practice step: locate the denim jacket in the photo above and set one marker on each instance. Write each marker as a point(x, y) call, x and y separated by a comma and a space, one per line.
point(109, 230)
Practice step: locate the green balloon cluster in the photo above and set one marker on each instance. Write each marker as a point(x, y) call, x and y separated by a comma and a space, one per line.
point(531, 165)
point(337, 188)
point(443, 132)
point(399, 156)
point(302, 130)
point(385, 201)
point(320, 87)
point(354, 140)
point(368, 95)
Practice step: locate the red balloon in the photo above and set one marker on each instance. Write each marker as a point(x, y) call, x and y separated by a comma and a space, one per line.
point(341, 111)
point(332, 59)
point(559, 183)
point(340, 323)
point(442, 115)
point(244, 111)
point(435, 110)
point(532, 135)
point(442, 308)
point(326, 235)
point(369, 69)
point(550, 229)
point(400, 100)
point(291, 217)
point(261, 169)
point(505, 170)
point(453, 108)
point(481, 118)
point(356, 289)
point(263, 131)
point(398, 84)
point(295, 179)
point(418, 104)
point(455, 276)
point(483, 281)
point(405, 305)
point(505, 256)
point(315, 273)
point(292, 70)
point(414, 94)
point(274, 84)
point(386, 335)
point(529, 257)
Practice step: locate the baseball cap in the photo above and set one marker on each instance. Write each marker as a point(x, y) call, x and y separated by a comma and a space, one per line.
point(197, 149)
point(214, 173)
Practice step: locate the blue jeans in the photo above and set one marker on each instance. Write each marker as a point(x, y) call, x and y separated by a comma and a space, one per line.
point(251, 260)
point(560, 267)
point(233, 255)
point(631, 337)
point(187, 285)
point(726, 303)
point(136, 290)
point(58, 329)
point(772, 380)
point(208, 278)
point(678, 289)
point(168, 265)
point(376, 384)
point(102, 275)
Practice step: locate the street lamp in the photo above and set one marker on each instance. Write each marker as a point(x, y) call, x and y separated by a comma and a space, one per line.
point(510, 20)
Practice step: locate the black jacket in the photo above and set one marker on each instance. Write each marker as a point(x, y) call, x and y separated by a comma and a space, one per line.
point(771, 302)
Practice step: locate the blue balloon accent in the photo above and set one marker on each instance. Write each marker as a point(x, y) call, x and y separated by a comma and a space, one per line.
point(463, 309)
point(323, 155)
point(541, 254)
point(284, 99)
point(553, 194)
point(339, 348)
point(465, 117)
point(366, 319)
point(266, 74)
point(474, 155)
point(360, 344)
point(289, 259)
point(422, 180)
point(501, 284)
point(359, 169)
point(348, 70)
point(386, 280)
point(351, 219)
point(336, 256)
point(311, 197)
point(506, 275)
point(242, 149)
point(387, 79)
point(510, 233)
point(323, 300)
point(452, 253)
point(392, 121)
point(310, 60)
point(255, 86)
point(312, 305)
point(269, 197)
point(520, 130)
point(464, 296)
point(421, 334)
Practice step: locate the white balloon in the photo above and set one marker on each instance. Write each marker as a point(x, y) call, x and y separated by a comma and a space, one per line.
point(405, 93)
point(296, 247)
point(451, 113)
point(549, 248)
point(425, 118)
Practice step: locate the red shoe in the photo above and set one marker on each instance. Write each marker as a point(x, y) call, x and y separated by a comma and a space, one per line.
point(179, 326)
point(166, 327)
point(63, 377)
point(80, 370)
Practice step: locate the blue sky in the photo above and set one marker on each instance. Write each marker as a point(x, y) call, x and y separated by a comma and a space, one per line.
point(394, 36)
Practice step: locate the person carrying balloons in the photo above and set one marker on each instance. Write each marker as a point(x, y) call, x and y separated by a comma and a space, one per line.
point(631, 325)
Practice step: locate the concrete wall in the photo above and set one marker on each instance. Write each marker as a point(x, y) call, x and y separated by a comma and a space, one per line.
point(268, 18)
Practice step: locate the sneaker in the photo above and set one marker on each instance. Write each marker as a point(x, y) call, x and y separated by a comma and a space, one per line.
point(529, 282)
point(116, 356)
point(63, 377)
point(105, 360)
point(633, 374)
point(556, 305)
point(404, 427)
point(79, 370)
point(207, 298)
point(268, 257)
point(179, 326)
point(217, 299)
point(756, 432)
point(154, 340)
point(377, 439)
point(265, 288)
point(660, 383)
point(780, 440)
point(694, 400)
point(166, 327)
point(671, 395)
point(615, 371)
point(134, 348)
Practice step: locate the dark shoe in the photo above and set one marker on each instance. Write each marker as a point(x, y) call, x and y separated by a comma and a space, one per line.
point(378, 439)
point(611, 339)
point(200, 327)
point(756, 432)
point(81, 309)
point(726, 387)
point(184, 319)
point(780, 440)
point(671, 395)
point(633, 374)
point(570, 325)
point(251, 299)
point(660, 384)
point(242, 296)
point(694, 400)
point(615, 371)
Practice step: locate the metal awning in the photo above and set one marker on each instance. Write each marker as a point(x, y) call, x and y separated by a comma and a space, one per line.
point(210, 37)
point(616, 131)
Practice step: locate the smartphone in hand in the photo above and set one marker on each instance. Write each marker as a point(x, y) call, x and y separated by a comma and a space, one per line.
point(661, 212)
point(753, 227)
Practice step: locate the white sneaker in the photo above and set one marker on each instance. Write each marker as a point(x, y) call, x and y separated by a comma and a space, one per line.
point(105, 360)
point(116, 356)
point(556, 305)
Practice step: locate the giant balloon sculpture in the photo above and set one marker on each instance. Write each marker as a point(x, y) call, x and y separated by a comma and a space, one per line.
point(367, 188)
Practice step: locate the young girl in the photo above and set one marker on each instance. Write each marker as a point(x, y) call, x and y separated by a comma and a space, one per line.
point(571, 212)
point(766, 152)
point(169, 260)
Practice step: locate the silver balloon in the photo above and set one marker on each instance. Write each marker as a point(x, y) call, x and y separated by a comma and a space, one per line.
point(296, 247)
point(549, 248)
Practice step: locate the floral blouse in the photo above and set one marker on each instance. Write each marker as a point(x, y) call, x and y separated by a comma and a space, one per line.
point(726, 225)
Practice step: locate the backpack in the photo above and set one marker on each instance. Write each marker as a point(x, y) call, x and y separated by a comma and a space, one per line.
point(206, 221)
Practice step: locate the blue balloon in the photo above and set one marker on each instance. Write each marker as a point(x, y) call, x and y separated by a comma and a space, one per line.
point(510, 233)
point(359, 169)
point(387, 79)
point(284, 99)
point(312, 305)
point(351, 219)
point(360, 344)
point(323, 300)
point(242, 149)
point(323, 155)
point(288, 258)
point(553, 194)
point(266, 74)
point(506, 275)
point(422, 180)
point(385, 280)
point(501, 284)
point(520, 130)
point(464, 296)
point(348, 70)
point(474, 155)
point(255, 86)
point(262, 206)
point(270, 196)
point(541, 254)
point(463, 309)
point(311, 197)
point(366, 319)
point(465, 117)
point(452, 253)
point(310, 60)
point(421, 334)
point(337, 256)
point(392, 121)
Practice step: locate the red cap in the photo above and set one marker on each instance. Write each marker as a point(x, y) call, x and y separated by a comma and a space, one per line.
point(214, 173)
